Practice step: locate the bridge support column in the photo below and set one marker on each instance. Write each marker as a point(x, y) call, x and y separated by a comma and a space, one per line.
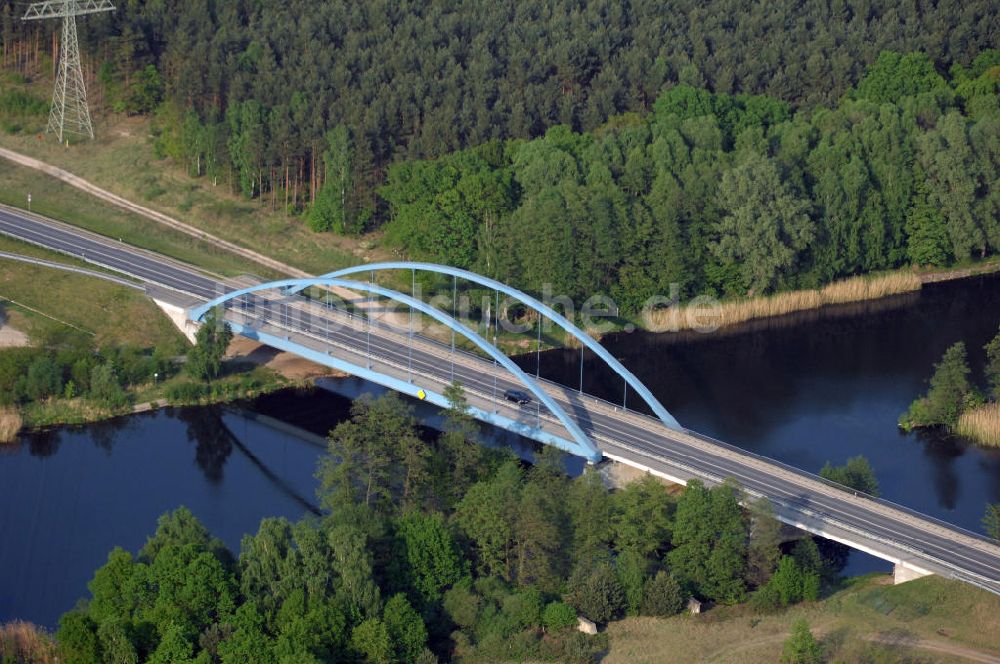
point(904, 571)
point(178, 315)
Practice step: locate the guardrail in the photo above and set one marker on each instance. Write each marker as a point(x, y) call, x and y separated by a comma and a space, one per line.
point(965, 576)
point(381, 325)
point(954, 571)
point(842, 487)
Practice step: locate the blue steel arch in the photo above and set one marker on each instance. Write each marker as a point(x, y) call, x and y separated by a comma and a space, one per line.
point(538, 306)
point(586, 446)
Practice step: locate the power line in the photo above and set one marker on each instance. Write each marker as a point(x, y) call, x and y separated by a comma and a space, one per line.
point(70, 113)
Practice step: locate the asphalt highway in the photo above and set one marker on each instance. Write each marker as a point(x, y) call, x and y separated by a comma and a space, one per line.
point(877, 526)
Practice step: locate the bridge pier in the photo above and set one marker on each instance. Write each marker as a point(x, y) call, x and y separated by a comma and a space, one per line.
point(794, 525)
point(178, 315)
point(904, 571)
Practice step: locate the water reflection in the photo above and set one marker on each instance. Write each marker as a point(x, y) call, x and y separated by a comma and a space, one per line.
point(213, 442)
point(102, 435)
point(43, 443)
point(80, 491)
point(942, 451)
point(824, 386)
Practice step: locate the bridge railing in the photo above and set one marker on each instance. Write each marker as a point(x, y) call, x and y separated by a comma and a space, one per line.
point(842, 487)
point(382, 325)
point(802, 507)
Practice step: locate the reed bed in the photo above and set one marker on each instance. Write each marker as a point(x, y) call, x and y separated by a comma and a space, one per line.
point(10, 424)
point(981, 424)
point(723, 314)
point(22, 642)
point(592, 331)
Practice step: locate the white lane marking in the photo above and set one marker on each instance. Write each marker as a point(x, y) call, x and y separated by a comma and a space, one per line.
point(92, 248)
point(151, 266)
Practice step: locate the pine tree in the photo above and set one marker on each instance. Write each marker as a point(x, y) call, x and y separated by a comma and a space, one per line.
point(763, 552)
point(662, 596)
point(950, 393)
point(992, 368)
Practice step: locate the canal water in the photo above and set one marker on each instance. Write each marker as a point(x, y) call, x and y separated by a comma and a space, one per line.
point(825, 386)
point(72, 494)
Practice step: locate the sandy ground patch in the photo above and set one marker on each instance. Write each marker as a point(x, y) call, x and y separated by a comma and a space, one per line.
point(287, 364)
point(11, 338)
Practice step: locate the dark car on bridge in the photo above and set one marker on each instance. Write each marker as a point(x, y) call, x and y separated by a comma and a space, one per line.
point(517, 396)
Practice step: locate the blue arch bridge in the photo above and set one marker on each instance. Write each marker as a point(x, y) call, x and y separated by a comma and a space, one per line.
point(383, 362)
point(392, 350)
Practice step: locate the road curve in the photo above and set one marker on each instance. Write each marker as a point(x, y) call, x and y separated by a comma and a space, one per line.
point(887, 530)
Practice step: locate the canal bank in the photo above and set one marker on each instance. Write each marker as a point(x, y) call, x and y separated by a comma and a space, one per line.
point(825, 389)
point(817, 388)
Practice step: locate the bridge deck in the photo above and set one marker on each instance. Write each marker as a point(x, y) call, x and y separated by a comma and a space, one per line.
point(879, 527)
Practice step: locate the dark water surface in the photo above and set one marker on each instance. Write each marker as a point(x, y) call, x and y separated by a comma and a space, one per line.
point(72, 494)
point(825, 388)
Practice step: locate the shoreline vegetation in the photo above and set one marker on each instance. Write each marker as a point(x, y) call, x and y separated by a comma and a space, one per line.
point(981, 424)
point(956, 403)
point(22, 641)
point(10, 423)
point(735, 312)
point(57, 411)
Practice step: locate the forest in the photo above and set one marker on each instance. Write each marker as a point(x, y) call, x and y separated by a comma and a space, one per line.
point(723, 194)
point(434, 548)
point(626, 145)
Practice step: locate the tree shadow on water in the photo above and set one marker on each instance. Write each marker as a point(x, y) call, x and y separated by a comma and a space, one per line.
point(213, 443)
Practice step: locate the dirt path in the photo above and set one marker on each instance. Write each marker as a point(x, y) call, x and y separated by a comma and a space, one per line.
point(936, 646)
point(896, 640)
point(288, 365)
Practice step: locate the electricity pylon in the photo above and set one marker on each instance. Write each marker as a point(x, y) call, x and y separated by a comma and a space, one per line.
point(69, 112)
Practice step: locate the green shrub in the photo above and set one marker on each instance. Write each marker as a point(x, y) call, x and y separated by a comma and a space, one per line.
point(557, 616)
point(461, 604)
point(791, 583)
point(524, 607)
point(106, 388)
point(186, 392)
point(801, 647)
point(21, 104)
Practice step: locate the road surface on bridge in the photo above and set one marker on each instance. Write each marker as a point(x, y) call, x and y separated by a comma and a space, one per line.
point(876, 526)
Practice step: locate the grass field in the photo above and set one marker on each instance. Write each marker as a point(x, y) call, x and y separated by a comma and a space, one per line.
point(927, 620)
point(52, 198)
point(121, 160)
point(40, 299)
